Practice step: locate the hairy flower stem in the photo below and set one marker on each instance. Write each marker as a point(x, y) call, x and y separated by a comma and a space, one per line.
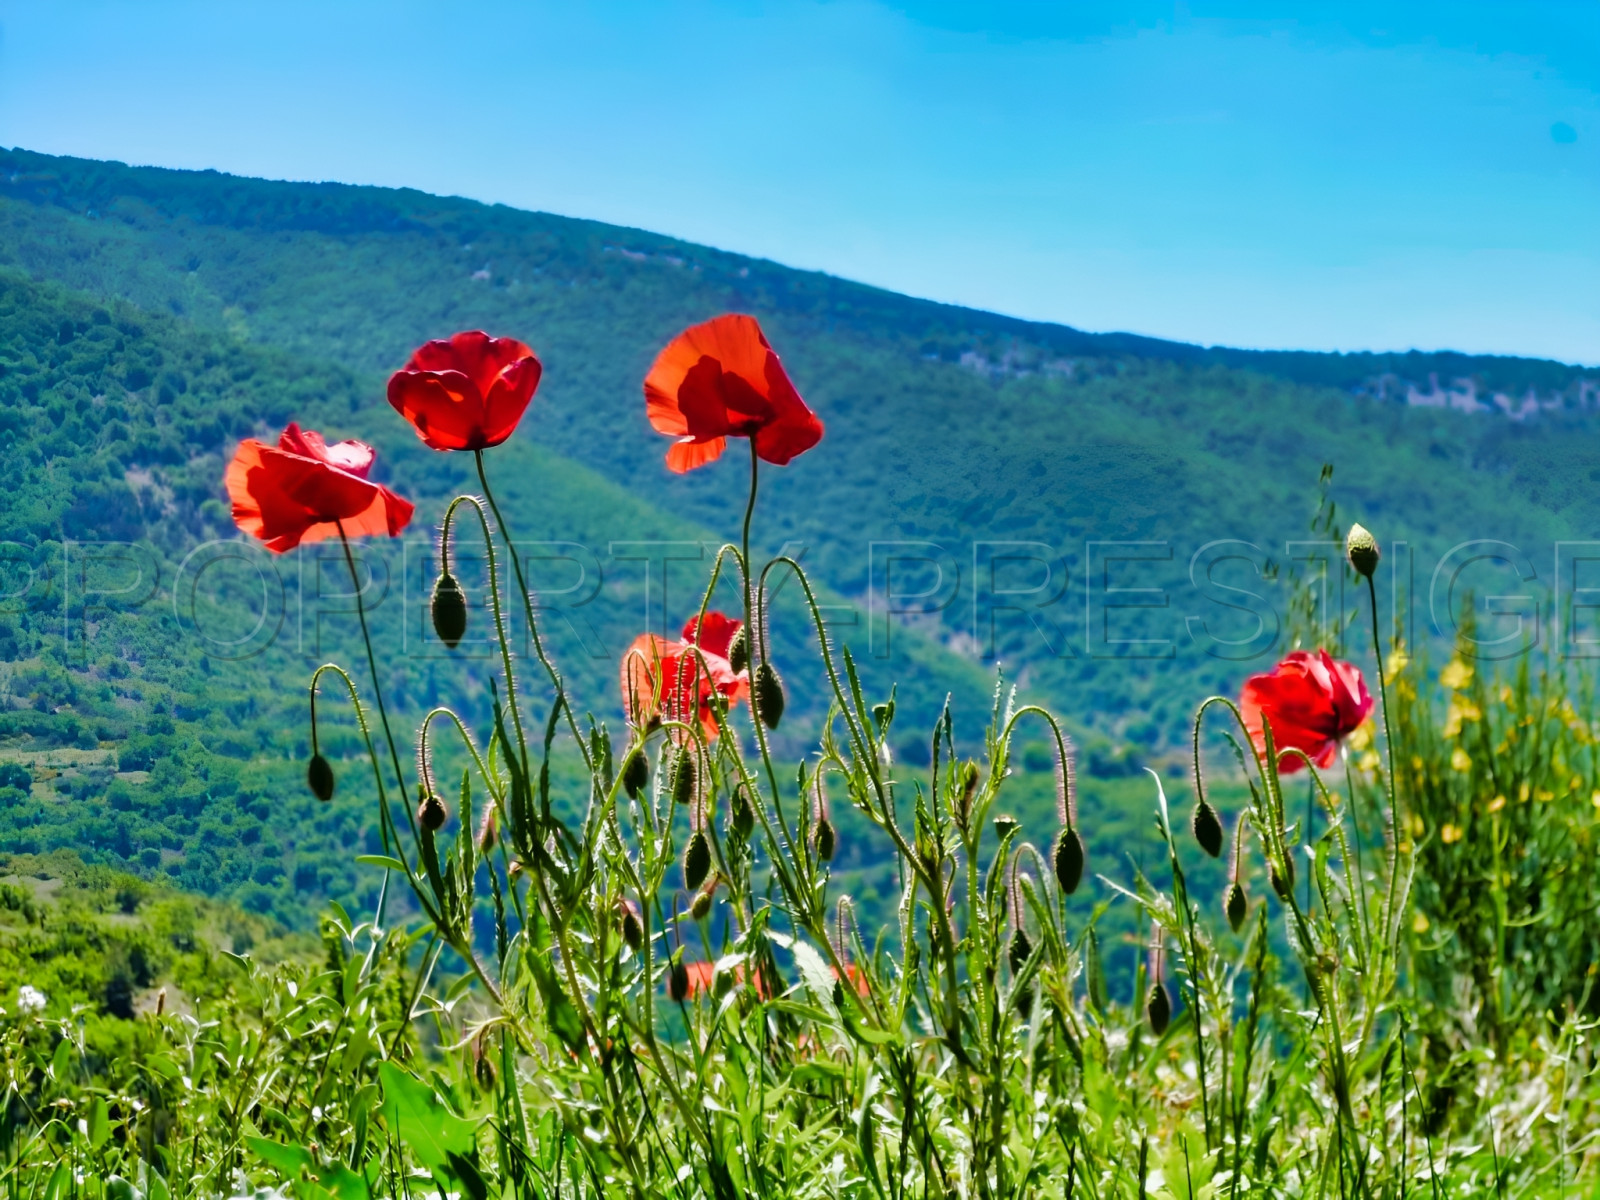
point(1388, 746)
point(372, 659)
point(372, 664)
point(527, 607)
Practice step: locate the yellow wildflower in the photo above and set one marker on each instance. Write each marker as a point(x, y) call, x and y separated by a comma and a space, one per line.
point(1460, 760)
point(1457, 675)
point(1419, 924)
point(1497, 804)
point(1460, 710)
point(1361, 736)
point(1449, 834)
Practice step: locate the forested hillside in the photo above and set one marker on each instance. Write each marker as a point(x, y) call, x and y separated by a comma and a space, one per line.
point(151, 318)
point(152, 669)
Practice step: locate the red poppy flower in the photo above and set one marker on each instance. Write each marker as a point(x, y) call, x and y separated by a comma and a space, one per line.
point(676, 681)
point(467, 393)
point(304, 488)
point(720, 380)
point(718, 635)
point(703, 976)
point(857, 978)
point(1312, 702)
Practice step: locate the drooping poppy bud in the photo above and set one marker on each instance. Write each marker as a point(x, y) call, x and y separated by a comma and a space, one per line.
point(1238, 906)
point(635, 775)
point(766, 695)
point(678, 982)
point(449, 609)
point(1069, 852)
point(1208, 829)
point(1004, 824)
point(1282, 881)
point(696, 861)
point(1158, 1008)
point(632, 928)
point(683, 782)
point(432, 813)
point(1068, 860)
point(319, 777)
point(700, 906)
point(826, 840)
point(1018, 953)
point(483, 1072)
point(739, 649)
point(741, 817)
point(1362, 550)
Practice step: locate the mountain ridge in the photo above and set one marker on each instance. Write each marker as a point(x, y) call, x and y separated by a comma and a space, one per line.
point(87, 186)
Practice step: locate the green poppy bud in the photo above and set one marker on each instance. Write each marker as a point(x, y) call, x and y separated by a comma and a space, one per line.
point(826, 840)
point(483, 1071)
point(766, 695)
point(683, 779)
point(1019, 951)
point(319, 777)
point(739, 649)
point(1282, 882)
point(696, 861)
point(742, 818)
point(1362, 550)
point(1158, 1008)
point(635, 775)
point(1208, 829)
point(432, 813)
point(1068, 860)
point(632, 929)
point(678, 982)
point(449, 610)
point(700, 906)
point(1238, 907)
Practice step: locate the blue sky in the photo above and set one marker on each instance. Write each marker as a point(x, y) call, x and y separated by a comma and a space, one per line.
point(1351, 176)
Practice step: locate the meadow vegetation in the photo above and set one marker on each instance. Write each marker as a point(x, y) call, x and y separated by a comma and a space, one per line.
point(576, 945)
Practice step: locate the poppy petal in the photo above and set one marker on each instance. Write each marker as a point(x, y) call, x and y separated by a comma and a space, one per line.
point(716, 632)
point(685, 456)
point(286, 498)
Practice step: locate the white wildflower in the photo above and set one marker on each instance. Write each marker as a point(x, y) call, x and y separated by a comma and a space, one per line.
point(30, 1000)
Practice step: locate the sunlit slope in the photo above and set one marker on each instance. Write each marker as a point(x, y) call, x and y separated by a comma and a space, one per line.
point(945, 425)
point(153, 666)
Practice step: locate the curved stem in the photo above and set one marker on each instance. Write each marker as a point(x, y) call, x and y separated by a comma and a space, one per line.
point(372, 660)
point(527, 606)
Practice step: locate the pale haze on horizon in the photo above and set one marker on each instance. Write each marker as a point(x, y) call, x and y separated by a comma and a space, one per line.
point(1345, 178)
